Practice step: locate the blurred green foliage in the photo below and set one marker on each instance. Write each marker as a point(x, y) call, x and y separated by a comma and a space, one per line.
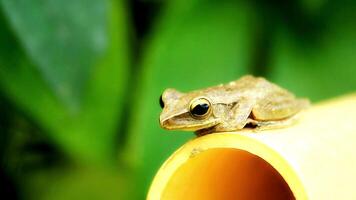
point(80, 80)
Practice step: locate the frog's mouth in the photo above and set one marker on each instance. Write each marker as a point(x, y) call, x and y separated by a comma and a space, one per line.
point(187, 124)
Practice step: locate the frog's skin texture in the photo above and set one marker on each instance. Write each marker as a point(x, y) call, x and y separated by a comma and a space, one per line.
point(250, 102)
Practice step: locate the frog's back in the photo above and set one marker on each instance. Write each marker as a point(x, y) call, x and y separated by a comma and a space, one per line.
point(247, 87)
point(271, 101)
point(253, 88)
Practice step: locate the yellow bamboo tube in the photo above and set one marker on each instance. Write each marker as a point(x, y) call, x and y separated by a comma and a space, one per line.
point(313, 159)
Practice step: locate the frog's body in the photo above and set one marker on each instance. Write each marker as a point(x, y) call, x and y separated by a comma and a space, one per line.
point(247, 101)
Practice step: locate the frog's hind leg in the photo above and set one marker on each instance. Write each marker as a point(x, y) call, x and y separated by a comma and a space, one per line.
point(278, 109)
point(275, 124)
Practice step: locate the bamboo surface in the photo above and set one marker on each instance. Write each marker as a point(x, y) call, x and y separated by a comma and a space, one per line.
point(313, 159)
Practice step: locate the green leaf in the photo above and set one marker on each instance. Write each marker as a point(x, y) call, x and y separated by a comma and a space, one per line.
point(196, 44)
point(77, 183)
point(312, 6)
point(320, 63)
point(87, 133)
point(62, 38)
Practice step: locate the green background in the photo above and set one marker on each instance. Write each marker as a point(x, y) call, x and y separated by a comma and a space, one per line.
point(80, 80)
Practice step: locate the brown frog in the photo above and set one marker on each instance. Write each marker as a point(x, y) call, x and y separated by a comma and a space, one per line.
point(250, 102)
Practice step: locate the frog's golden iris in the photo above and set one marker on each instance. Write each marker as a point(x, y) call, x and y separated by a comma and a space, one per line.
point(200, 108)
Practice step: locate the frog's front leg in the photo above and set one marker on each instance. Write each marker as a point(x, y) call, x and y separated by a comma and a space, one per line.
point(237, 118)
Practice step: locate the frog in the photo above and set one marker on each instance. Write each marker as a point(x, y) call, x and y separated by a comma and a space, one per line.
point(247, 103)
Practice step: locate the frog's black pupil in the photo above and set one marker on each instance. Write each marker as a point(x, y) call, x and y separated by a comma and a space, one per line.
point(200, 109)
point(161, 103)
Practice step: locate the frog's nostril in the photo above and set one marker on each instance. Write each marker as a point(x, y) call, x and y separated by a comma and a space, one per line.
point(161, 103)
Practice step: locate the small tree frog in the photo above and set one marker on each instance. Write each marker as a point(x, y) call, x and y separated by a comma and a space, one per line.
point(249, 102)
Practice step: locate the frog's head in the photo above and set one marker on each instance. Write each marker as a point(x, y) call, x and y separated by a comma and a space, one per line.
point(190, 111)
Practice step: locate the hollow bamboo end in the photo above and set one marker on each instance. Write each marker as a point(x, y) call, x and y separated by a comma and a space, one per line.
point(225, 166)
point(226, 174)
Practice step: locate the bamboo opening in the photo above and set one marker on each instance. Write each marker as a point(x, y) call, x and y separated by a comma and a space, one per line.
point(226, 173)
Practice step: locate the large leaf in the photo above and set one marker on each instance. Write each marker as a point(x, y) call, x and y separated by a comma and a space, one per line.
point(88, 132)
point(62, 38)
point(196, 44)
point(78, 183)
point(319, 62)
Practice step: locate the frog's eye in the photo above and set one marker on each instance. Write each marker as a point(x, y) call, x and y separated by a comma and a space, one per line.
point(161, 103)
point(200, 108)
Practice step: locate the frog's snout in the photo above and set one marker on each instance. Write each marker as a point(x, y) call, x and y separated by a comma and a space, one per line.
point(167, 123)
point(171, 123)
point(162, 123)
